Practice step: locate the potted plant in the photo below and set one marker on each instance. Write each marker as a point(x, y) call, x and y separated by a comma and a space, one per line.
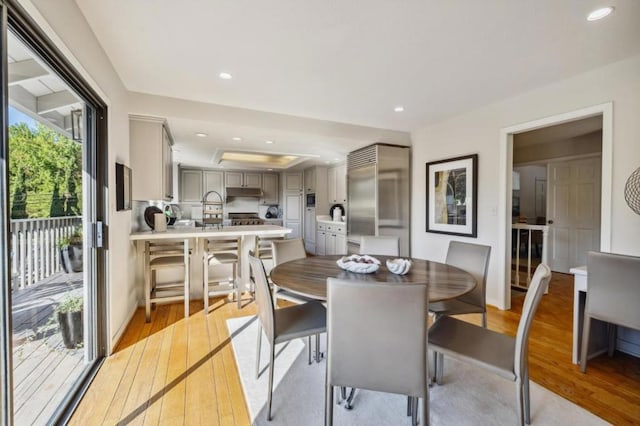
point(71, 252)
point(69, 316)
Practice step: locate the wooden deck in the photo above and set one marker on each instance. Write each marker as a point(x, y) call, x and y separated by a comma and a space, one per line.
point(44, 370)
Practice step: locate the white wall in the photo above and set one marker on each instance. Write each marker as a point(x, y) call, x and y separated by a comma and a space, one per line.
point(64, 23)
point(478, 131)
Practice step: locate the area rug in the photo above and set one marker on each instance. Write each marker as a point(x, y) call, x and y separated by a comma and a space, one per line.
point(469, 395)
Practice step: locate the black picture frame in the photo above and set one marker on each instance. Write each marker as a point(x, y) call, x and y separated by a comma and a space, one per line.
point(452, 206)
point(124, 178)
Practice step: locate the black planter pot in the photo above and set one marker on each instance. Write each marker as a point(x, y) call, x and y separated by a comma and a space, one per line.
point(71, 258)
point(71, 328)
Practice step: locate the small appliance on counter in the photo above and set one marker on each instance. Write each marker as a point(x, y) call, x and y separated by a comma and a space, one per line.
point(272, 212)
point(336, 212)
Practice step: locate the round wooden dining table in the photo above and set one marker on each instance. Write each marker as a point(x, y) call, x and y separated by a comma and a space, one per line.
point(308, 277)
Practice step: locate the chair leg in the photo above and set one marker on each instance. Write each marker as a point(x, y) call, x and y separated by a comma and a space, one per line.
point(520, 397)
point(147, 294)
point(187, 290)
point(414, 411)
point(317, 348)
point(328, 405)
point(527, 399)
point(586, 331)
point(309, 346)
point(439, 367)
point(484, 320)
point(409, 405)
point(258, 348)
point(235, 282)
point(425, 408)
point(612, 330)
point(205, 283)
point(271, 359)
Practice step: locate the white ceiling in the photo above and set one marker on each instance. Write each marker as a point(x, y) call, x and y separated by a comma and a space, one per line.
point(353, 61)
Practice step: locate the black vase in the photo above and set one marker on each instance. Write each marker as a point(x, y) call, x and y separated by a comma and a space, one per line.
point(71, 328)
point(71, 258)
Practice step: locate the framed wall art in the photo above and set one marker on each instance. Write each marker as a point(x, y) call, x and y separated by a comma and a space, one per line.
point(452, 196)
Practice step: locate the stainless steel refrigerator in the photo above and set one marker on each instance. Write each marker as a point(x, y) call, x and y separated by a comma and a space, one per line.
point(378, 194)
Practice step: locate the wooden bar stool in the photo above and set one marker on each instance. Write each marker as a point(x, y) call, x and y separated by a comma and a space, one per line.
point(221, 251)
point(165, 254)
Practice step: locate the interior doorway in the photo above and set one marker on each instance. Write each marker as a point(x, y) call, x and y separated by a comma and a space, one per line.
point(558, 145)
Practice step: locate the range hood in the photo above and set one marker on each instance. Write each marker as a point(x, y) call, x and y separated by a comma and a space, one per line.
point(244, 192)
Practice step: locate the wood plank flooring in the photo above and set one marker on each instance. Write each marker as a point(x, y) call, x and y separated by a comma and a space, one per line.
point(177, 371)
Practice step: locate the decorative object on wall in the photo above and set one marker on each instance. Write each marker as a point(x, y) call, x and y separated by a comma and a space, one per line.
point(452, 196)
point(632, 191)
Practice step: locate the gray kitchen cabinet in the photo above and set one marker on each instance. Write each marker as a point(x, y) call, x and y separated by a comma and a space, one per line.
point(293, 182)
point(194, 183)
point(337, 184)
point(190, 185)
point(213, 181)
point(320, 243)
point(270, 189)
point(293, 214)
point(310, 180)
point(151, 158)
point(235, 179)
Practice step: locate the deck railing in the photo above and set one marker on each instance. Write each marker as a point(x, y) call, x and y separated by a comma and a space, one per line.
point(524, 233)
point(34, 247)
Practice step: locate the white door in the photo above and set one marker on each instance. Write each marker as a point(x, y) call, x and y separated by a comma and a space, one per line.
point(573, 212)
point(293, 214)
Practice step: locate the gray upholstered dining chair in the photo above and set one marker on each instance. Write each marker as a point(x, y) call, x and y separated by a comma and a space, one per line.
point(377, 340)
point(285, 251)
point(473, 258)
point(613, 293)
point(498, 353)
point(284, 324)
point(382, 246)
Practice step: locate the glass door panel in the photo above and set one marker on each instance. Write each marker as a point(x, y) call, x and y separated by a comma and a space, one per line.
point(50, 206)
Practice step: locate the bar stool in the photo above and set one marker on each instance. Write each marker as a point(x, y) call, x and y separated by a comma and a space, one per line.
point(164, 255)
point(221, 251)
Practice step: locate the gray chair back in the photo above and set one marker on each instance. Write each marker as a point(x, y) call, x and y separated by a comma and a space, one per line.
point(263, 297)
point(381, 246)
point(286, 250)
point(614, 288)
point(473, 258)
point(538, 284)
point(377, 336)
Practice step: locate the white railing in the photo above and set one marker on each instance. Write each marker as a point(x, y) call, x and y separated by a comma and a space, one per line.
point(34, 247)
point(524, 230)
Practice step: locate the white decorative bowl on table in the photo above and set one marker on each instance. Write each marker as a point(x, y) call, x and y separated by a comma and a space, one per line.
point(361, 264)
point(399, 266)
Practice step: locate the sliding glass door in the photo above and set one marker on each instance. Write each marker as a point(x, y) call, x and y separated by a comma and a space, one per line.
point(52, 184)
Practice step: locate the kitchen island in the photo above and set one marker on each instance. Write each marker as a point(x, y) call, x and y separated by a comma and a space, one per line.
point(194, 238)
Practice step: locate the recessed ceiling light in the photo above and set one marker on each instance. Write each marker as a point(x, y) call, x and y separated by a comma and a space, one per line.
point(597, 14)
point(268, 141)
point(201, 135)
point(225, 76)
point(270, 170)
point(237, 139)
point(399, 108)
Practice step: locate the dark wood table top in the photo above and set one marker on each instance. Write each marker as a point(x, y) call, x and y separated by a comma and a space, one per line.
point(308, 277)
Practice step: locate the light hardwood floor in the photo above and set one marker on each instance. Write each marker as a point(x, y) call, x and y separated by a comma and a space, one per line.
point(177, 371)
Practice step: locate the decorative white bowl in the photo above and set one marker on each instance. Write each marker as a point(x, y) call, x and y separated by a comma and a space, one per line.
point(361, 264)
point(399, 266)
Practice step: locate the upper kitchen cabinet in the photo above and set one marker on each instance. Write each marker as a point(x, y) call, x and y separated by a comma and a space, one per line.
point(151, 158)
point(194, 183)
point(243, 180)
point(270, 189)
point(310, 180)
point(293, 182)
point(337, 184)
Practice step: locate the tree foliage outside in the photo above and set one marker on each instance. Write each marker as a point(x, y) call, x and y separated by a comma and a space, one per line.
point(45, 173)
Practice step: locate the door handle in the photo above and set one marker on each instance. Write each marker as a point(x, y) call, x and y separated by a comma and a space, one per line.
point(550, 222)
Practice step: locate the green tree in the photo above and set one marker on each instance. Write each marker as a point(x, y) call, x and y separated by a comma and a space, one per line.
point(45, 172)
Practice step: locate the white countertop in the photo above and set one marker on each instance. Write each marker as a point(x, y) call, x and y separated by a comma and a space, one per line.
point(197, 232)
point(329, 220)
point(579, 270)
